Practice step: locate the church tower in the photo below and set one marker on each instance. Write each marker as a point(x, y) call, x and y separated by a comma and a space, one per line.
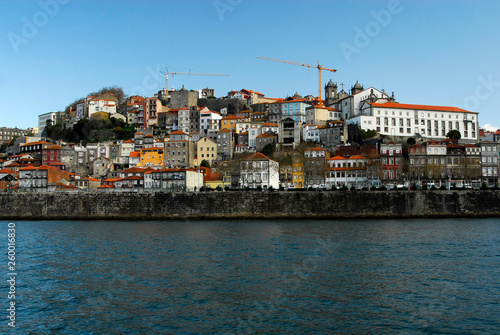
point(331, 96)
point(356, 88)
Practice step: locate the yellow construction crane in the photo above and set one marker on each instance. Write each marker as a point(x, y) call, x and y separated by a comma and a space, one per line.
point(319, 67)
point(185, 73)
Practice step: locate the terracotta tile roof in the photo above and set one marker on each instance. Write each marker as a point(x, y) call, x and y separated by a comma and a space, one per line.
point(266, 135)
point(357, 157)
point(128, 141)
point(53, 147)
point(106, 186)
point(35, 143)
point(316, 149)
point(133, 178)
point(66, 187)
point(337, 158)
point(178, 132)
point(267, 124)
point(420, 107)
point(134, 170)
point(7, 171)
point(216, 176)
point(135, 154)
point(257, 156)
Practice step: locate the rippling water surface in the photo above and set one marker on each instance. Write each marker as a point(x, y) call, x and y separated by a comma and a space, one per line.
point(268, 277)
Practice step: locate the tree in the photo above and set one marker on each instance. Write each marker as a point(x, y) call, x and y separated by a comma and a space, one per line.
point(268, 150)
point(454, 134)
point(411, 141)
point(205, 163)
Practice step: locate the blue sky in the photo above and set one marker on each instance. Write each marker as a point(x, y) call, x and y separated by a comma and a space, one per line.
point(426, 52)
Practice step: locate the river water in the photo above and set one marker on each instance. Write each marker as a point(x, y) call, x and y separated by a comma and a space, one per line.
point(268, 277)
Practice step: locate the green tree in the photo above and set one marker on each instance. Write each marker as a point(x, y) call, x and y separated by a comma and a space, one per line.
point(3, 147)
point(411, 141)
point(268, 150)
point(205, 163)
point(454, 134)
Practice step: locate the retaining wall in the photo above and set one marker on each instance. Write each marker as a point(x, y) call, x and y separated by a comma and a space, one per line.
point(249, 205)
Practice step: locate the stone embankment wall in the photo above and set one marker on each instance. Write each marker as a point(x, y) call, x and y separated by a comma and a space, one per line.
point(249, 205)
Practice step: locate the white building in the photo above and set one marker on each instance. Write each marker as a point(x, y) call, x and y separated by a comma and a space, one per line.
point(350, 106)
point(43, 118)
point(395, 119)
point(310, 132)
point(101, 105)
point(254, 131)
point(183, 120)
point(209, 121)
point(342, 171)
point(268, 127)
point(259, 170)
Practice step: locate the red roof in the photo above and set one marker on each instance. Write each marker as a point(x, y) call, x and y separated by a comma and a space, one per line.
point(217, 176)
point(316, 149)
point(133, 178)
point(178, 132)
point(336, 158)
point(258, 155)
point(35, 143)
point(357, 157)
point(7, 171)
point(420, 107)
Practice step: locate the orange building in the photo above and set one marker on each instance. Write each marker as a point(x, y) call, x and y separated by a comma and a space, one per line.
point(151, 156)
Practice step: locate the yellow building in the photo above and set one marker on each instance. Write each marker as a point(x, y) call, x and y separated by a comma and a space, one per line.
point(214, 181)
point(151, 157)
point(298, 171)
point(206, 149)
point(99, 116)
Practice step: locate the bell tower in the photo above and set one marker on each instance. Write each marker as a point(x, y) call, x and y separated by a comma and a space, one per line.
point(331, 95)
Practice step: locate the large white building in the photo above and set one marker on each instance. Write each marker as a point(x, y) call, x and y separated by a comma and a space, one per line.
point(54, 117)
point(101, 105)
point(395, 119)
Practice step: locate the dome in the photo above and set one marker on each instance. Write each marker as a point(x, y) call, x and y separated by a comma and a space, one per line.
point(331, 84)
